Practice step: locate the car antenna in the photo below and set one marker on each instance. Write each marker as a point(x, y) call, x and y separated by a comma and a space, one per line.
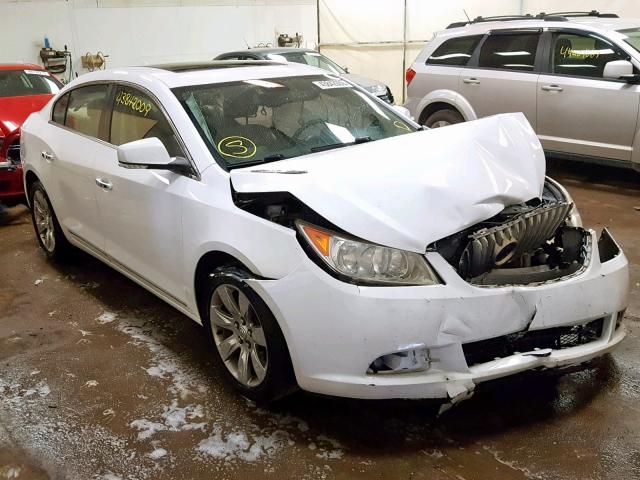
point(246, 43)
point(465, 14)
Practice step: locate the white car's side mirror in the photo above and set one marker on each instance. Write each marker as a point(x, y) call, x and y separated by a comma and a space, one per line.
point(150, 153)
point(402, 111)
point(617, 69)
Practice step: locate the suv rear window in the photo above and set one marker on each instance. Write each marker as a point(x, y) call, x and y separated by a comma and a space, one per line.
point(456, 51)
point(509, 51)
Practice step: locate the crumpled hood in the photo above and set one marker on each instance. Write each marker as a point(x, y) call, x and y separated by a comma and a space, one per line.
point(408, 191)
point(15, 110)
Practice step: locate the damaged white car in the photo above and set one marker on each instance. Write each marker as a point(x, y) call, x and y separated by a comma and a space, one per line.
point(323, 239)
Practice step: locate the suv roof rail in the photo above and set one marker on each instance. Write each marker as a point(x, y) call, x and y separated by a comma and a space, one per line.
point(549, 17)
point(592, 13)
point(499, 18)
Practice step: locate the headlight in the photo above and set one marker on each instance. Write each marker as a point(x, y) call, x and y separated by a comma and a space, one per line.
point(377, 90)
point(368, 262)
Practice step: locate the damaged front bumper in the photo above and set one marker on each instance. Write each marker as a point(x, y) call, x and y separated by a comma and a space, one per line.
point(335, 331)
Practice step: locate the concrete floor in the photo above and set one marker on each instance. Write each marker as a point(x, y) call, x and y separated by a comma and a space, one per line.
point(99, 379)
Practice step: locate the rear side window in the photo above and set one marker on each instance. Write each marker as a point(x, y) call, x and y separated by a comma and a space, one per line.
point(136, 116)
point(582, 55)
point(509, 52)
point(85, 109)
point(456, 51)
point(60, 109)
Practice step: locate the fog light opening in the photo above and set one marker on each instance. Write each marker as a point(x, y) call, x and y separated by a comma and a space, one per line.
point(413, 359)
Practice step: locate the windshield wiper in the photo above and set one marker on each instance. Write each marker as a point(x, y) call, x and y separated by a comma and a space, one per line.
point(331, 146)
point(269, 158)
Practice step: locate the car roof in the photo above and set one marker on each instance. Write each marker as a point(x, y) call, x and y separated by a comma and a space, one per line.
point(263, 51)
point(601, 24)
point(20, 66)
point(200, 73)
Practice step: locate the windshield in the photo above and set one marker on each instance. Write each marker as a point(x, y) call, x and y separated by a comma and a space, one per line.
point(20, 83)
point(310, 58)
point(257, 121)
point(633, 37)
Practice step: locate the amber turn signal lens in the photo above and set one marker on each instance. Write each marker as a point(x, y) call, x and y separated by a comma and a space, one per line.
point(318, 238)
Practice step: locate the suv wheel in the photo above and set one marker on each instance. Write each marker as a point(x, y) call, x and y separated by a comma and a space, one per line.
point(443, 118)
point(45, 223)
point(250, 347)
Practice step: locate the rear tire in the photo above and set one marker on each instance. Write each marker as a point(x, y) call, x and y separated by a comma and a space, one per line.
point(443, 118)
point(248, 345)
point(45, 223)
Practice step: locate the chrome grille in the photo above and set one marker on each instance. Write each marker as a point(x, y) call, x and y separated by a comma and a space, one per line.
point(496, 246)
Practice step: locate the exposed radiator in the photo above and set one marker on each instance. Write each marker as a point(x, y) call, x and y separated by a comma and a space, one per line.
point(496, 246)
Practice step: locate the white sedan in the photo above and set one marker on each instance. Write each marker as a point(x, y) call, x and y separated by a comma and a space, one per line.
point(323, 239)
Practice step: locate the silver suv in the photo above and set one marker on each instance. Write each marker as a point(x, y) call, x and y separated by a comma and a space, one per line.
point(575, 76)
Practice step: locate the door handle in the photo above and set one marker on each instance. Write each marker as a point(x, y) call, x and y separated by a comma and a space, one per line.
point(471, 81)
point(104, 184)
point(551, 88)
point(47, 156)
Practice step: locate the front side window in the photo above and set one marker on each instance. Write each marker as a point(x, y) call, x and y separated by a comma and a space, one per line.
point(136, 116)
point(516, 51)
point(455, 52)
point(257, 121)
point(633, 37)
point(23, 83)
point(85, 109)
point(582, 55)
point(314, 59)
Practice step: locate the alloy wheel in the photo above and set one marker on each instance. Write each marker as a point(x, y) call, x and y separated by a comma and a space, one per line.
point(44, 221)
point(238, 335)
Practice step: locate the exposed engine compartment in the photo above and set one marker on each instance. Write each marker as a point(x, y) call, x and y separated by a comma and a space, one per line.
point(526, 243)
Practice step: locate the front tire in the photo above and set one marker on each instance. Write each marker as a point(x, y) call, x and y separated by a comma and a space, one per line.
point(247, 341)
point(45, 223)
point(443, 118)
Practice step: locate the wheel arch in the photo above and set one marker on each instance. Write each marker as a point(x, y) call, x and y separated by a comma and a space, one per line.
point(30, 177)
point(445, 99)
point(207, 263)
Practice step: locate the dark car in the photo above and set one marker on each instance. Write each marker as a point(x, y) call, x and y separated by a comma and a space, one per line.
point(313, 58)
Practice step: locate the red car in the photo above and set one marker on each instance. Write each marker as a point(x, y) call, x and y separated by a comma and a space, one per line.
point(24, 89)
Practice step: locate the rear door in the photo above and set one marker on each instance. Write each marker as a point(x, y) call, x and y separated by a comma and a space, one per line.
point(579, 111)
point(442, 68)
point(503, 74)
point(141, 210)
point(72, 146)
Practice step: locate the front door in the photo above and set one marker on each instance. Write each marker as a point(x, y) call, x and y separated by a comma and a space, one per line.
point(579, 111)
point(141, 210)
point(505, 77)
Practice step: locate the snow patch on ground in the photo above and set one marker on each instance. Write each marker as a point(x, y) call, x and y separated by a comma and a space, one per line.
point(239, 445)
point(174, 418)
point(107, 317)
point(513, 465)
point(157, 453)
point(166, 364)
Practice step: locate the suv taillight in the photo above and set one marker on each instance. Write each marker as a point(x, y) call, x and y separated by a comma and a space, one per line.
point(409, 74)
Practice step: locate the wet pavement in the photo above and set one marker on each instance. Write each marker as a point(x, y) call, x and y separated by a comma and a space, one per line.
point(99, 379)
